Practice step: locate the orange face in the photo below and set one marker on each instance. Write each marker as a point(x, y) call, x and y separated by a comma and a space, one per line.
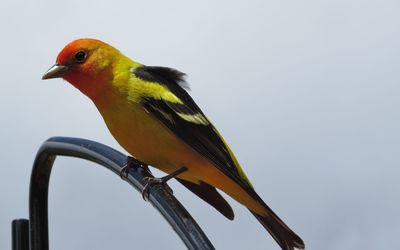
point(86, 64)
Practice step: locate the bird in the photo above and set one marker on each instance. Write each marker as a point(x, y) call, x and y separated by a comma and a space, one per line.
point(149, 111)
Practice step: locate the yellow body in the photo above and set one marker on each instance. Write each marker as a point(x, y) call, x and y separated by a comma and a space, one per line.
point(146, 138)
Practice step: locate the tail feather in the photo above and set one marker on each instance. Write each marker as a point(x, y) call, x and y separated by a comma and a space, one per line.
point(282, 234)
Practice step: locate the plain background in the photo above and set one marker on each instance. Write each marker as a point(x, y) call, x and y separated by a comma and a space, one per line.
point(306, 93)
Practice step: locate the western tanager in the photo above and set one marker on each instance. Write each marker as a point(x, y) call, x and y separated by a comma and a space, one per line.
point(151, 115)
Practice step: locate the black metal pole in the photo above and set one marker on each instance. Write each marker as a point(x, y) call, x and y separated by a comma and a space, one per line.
point(171, 209)
point(20, 234)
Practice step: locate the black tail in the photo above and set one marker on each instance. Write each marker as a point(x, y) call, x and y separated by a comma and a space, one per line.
point(282, 234)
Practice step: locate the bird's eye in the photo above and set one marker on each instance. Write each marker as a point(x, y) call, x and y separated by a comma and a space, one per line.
point(80, 56)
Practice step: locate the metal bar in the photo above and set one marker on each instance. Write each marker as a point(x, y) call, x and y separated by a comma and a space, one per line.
point(20, 234)
point(171, 209)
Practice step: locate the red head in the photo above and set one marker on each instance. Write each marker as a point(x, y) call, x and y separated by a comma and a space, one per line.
point(85, 63)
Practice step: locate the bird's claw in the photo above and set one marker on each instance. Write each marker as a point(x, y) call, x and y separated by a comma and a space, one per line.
point(124, 172)
point(151, 181)
point(130, 163)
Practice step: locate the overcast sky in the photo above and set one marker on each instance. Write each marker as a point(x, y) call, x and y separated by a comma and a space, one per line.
point(306, 93)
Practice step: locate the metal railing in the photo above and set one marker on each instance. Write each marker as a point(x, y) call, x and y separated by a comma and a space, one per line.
point(34, 234)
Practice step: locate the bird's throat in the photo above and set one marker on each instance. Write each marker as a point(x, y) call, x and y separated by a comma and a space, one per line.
point(92, 87)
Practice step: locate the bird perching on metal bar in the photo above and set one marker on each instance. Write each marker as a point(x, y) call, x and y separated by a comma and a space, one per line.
point(149, 112)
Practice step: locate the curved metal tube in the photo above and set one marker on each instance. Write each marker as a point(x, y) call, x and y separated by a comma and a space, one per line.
point(170, 208)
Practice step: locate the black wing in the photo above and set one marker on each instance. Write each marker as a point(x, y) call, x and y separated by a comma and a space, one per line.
point(187, 121)
point(210, 195)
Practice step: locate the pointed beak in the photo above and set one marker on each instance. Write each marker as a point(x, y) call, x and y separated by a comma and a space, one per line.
point(57, 71)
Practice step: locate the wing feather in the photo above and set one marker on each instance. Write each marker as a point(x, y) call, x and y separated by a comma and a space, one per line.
point(188, 122)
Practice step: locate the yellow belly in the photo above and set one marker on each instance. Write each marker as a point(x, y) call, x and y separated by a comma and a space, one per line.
point(148, 140)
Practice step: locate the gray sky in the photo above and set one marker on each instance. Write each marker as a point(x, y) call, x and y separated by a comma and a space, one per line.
point(306, 93)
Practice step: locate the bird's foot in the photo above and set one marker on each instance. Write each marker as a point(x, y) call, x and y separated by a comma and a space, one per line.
point(130, 164)
point(151, 181)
